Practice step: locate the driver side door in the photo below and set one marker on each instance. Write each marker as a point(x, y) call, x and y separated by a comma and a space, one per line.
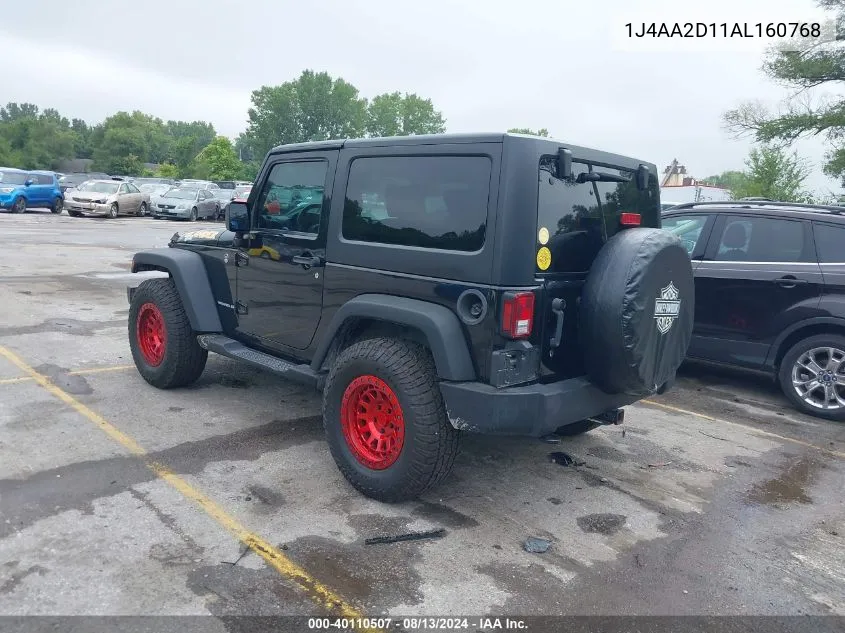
point(280, 282)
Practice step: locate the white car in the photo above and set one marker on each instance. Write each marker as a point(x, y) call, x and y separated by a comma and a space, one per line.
point(107, 197)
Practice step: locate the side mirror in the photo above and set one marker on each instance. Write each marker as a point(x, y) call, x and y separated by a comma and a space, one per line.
point(237, 217)
point(28, 182)
point(564, 163)
point(642, 178)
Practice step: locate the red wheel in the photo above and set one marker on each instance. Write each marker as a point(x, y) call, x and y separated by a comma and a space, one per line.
point(152, 334)
point(372, 422)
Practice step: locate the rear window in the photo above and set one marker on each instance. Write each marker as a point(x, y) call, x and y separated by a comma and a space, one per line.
point(575, 219)
point(437, 202)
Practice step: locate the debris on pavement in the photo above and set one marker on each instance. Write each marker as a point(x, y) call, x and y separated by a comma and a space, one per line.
point(534, 545)
point(565, 459)
point(659, 464)
point(409, 536)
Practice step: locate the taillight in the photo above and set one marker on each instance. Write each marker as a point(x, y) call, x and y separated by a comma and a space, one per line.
point(517, 314)
point(630, 219)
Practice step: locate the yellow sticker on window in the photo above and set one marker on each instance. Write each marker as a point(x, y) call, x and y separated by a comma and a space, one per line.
point(544, 258)
point(543, 236)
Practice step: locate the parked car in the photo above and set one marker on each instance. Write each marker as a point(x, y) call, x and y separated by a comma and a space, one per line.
point(770, 293)
point(72, 181)
point(20, 190)
point(506, 285)
point(223, 197)
point(155, 191)
point(109, 198)
point(187, 204)
point(242, 192)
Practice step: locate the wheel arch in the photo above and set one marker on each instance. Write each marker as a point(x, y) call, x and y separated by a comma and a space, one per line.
point(429, 324)
point(190, 277)
point(799, 331)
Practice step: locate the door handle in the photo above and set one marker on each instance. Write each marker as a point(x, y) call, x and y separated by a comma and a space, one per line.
point(306, 260)
point(789, 281)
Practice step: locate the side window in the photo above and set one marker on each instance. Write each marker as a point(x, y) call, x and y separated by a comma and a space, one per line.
point(830, 243)
point(132, 188)
point(437, 202)
point(291, 199)
point(43, 179)
point(761, 240)
point(123, 189)
point(687, 228)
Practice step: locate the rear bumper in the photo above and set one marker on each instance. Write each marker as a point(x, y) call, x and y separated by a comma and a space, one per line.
point(533, 410)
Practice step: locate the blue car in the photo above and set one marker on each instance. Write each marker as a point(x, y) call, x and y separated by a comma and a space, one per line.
point(20, 190)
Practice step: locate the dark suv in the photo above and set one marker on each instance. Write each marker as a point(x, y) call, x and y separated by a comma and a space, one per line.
point(770, 293)
point(430, 285)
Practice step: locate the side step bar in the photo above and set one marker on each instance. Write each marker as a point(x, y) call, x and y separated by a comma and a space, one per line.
point(226, 346)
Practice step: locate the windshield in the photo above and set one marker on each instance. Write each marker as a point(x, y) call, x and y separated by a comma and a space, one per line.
point(99, 187)
point(12, 177)
point(574, 219)
point(182, 194)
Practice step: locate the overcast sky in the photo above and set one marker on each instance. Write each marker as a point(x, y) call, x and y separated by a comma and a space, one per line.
point(487, 65)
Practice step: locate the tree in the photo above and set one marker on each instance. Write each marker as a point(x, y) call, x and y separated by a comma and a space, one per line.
point(32, 139)
point(313, 107)
point(731, 180)
point(394, 114)
point(167, 170)
point(123, 135)
point(816, 61)
point(187, 140)
point(217, 161)
point(773, 174)
point(524, 130)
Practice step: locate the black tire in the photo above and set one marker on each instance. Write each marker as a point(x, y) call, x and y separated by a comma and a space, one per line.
point(142, 210)
point(194, 214)
point(19, 206)
point(182, 360)
point(430, 442)
point(577, 428)
point(74, 214)
point(113, 210)
point(792, 356)
point(57, 206)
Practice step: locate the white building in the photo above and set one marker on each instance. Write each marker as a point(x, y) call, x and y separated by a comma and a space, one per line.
point(677, 187)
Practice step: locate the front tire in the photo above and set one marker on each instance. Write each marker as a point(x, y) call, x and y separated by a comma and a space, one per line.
point(812, 376)
point(164, 347)
point(74, 214)
point(194, 214)
point(113, 210)
point(385, 420)
point(57, 206)
point(19, 206)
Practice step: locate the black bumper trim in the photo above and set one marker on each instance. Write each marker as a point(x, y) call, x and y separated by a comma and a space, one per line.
point(533, 410)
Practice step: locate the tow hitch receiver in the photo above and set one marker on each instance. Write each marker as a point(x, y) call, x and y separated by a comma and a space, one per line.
point(614, 416)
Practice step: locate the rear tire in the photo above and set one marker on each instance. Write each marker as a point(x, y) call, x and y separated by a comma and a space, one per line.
point(142, 210)
point(790, 368)
point(163, 345)
point(385, 390)
point(57, 206)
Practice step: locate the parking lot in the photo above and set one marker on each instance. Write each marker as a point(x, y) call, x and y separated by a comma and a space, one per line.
point(222, 498)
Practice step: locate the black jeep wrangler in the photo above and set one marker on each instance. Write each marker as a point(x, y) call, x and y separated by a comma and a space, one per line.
point(430, 285)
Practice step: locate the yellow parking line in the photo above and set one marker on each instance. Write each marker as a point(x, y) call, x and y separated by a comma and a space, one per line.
point(747, 427)
point(77, 372)
point(318, 592)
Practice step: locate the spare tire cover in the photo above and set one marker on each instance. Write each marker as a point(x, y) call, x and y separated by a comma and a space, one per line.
point(636, 312)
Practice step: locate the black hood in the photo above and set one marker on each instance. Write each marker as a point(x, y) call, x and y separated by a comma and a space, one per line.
point(203, 237)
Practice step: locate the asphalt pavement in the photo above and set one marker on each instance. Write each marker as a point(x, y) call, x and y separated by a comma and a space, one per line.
point(119, 499)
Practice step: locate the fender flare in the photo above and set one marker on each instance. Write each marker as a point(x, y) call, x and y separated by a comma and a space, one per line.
point(187, 270)
point(774, 350)
point(438, 324)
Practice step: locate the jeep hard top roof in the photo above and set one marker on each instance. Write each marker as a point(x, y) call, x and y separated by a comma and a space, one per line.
point(579, 152)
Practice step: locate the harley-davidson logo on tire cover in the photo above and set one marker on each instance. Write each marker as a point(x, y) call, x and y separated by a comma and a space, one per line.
point(667, 307)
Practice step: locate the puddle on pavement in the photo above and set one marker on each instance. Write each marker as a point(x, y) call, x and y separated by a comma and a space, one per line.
point(790, 486)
